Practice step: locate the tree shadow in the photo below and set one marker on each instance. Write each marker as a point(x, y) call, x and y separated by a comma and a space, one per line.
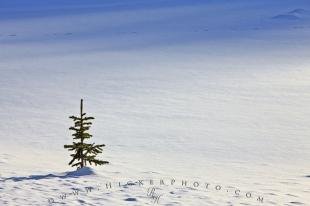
point(75, 174)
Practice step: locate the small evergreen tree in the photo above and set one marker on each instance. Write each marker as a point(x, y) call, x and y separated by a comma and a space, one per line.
point(83, 152)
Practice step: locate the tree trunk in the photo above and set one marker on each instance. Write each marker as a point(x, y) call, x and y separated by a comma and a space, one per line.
point(81, 111)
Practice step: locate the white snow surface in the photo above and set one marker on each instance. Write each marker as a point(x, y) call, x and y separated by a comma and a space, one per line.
point(213, 91)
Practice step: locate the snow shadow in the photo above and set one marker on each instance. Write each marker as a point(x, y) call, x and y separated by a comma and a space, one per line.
point(86, 171)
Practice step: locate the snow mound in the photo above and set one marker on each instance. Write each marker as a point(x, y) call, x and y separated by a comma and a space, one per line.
point(85, 171)
point(295, 14)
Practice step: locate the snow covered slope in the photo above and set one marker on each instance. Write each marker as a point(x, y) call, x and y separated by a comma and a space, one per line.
point(213, 91)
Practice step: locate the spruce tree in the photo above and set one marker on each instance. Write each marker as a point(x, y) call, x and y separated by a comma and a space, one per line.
point(83, 152)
